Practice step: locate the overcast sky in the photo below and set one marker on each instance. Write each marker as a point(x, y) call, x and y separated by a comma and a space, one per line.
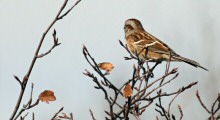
point(191, 28)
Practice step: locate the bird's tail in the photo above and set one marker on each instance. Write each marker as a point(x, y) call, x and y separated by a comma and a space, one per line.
point(191, 62)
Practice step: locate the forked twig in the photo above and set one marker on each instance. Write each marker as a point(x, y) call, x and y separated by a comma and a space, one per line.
point(29, 104)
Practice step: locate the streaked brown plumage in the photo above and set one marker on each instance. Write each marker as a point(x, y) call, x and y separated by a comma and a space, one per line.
point(148, 47)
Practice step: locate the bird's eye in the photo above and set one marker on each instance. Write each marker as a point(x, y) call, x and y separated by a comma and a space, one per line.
point(126, 26)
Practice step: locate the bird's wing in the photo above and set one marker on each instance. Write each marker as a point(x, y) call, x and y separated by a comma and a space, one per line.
point(144, 39)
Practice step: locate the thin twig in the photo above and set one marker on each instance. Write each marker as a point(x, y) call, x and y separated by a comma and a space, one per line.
point(29, 104)
point(181, 112)
point(163, 112)
point(136, 115)
point(145, 106)
point(22, 118)
point(168, 111)
point(167, 67)
point(55, 44)
point(92, 115)
point(49, 51)
point(33, 117)
point(99, 86)
point(56, 114)
point(213, 105)
point(74, 5)
point(160, 86)
point(173, 93)
point(200, 100)
point(19, 81)
point(171, 72)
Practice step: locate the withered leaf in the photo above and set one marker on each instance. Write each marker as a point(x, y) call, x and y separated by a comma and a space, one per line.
point(107, 66)
point(47, 95)
point(128, 91)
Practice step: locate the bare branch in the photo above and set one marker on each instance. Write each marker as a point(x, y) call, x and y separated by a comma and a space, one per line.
point(172, 102)
point(181, 112)
point(200, 100)
point(213, 105)
point(63, 15)
point(33, 116)
point(163, 112)
point(55, 44)
point(26, 77)
point(167, 67)
point(56, 114)
point(92, 115)
point(22, 118)
point(136, 115)
point(49, 51)
point(29, 104)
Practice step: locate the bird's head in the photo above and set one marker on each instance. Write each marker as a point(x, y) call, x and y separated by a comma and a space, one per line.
point(133, 24)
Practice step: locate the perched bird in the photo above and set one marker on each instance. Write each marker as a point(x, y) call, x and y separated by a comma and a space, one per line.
point(149, 48)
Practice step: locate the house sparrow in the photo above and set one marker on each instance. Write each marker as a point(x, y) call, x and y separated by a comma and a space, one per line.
point(149, 48)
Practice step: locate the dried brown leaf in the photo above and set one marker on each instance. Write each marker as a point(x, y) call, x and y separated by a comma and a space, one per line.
point(107, 66)
point(47, 95)
point(128, 91)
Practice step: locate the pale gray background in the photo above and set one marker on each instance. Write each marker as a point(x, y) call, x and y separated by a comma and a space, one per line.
point(191, 28)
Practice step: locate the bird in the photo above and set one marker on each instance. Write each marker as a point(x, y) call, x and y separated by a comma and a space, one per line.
point(149, 48)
